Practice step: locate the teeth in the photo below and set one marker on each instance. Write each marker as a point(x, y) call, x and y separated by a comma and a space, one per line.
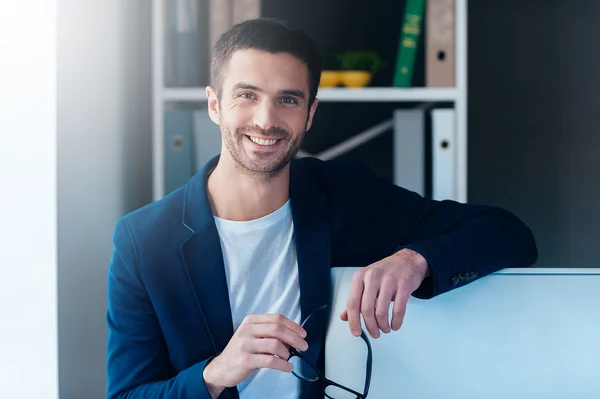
point(262, 141)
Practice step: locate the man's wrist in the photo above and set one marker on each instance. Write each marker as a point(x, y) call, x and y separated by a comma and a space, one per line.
point(416, 261)
point(214, 389)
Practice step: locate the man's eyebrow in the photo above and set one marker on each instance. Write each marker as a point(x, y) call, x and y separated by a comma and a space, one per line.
point(293, 92)
point(245, 86)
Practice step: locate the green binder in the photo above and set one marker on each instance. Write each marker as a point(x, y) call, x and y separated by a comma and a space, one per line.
point(409, 41)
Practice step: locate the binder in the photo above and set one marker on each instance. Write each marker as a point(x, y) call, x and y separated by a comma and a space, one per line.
point(245, 9)
point(223, 14)
point(409, 149)
point(443, 154)
point(178, 147)
point(439, 43)
point(207, 139)
point(219, 20)
point(185, 49)
point(409, 41)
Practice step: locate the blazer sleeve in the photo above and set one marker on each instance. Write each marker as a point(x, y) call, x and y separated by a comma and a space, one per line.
point(138, 363)
point(461, 242)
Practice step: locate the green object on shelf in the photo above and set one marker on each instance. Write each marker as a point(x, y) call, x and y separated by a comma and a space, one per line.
point(409, 41)
point(360, 61)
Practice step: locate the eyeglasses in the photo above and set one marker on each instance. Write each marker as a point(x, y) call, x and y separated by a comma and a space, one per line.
point(308, 372)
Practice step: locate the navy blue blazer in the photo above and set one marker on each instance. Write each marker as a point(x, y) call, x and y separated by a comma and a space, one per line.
point(168, 306)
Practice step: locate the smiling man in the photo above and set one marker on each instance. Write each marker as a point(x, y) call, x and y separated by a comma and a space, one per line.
point(207, 286)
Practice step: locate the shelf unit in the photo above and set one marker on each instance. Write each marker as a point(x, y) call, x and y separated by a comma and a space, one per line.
point(456, 95)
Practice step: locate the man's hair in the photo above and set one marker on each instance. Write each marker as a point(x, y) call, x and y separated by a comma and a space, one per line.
point(271, 35)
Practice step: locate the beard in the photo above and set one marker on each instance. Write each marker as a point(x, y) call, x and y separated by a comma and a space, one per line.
point(256, 163)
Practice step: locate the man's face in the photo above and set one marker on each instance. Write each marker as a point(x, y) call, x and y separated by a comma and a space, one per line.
point(263, 110)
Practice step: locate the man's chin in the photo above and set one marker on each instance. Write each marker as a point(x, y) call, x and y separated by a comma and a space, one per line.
point(263, 164)
point(265, 170)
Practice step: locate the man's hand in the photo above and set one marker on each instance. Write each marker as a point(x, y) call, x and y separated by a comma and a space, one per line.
point(374, 287)
point(261, 341)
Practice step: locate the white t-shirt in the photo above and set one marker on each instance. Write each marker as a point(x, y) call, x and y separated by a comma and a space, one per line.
point(262, 277)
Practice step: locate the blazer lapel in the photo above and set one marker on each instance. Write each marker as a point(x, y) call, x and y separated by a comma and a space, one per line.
point(203, 259)
point(313, 248)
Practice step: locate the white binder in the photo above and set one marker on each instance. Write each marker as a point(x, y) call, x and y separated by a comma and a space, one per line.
point(443, 154)
point(207, 138)
point(409, 149)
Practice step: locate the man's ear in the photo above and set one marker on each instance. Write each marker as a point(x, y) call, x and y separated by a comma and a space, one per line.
point(311, 113)
point(213, 104)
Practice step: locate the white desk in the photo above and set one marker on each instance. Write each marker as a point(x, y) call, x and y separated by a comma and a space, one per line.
point(519, 333)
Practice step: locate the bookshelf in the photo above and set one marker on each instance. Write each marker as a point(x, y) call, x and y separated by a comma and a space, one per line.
point(457, 96)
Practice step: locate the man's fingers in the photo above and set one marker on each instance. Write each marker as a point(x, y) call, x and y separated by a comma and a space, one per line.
point(368, 309)
point(279, 331)
point(275, 318)
point(399, 309)
point(344, 315)
point(382, 308)
point(270, 346)
point(271, 362)
point(354, 302)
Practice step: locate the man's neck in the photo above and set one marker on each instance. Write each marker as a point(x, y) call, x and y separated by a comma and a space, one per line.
point(240, 197)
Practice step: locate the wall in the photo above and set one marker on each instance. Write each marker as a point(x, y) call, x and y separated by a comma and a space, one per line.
point(28, 337)
point(104, 167)
point(533, 120)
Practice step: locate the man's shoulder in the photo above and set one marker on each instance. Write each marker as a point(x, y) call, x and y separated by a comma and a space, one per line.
point(154, 219)
point(335, 172)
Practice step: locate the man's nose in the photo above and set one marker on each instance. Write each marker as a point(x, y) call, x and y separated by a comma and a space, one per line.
point(265, 116)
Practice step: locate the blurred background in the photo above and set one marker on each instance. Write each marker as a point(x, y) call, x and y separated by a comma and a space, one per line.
point(483, 101)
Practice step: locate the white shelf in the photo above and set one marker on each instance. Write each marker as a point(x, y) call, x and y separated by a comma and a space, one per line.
point(187, 94)
point(387, 94)
point(371, 94)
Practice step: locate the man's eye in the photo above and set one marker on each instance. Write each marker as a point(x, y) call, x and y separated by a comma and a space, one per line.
point(288, 100)
point(247, 95)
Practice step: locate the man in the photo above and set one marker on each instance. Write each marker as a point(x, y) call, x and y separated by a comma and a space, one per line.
point(207, 286)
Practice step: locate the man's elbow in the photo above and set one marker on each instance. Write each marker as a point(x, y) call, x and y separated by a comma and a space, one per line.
point(522, 238)
point(531, 251)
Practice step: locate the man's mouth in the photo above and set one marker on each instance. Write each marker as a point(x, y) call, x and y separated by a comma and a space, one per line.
point(264, 142)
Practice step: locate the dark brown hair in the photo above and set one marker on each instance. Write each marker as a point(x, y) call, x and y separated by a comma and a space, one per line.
point(271, 35)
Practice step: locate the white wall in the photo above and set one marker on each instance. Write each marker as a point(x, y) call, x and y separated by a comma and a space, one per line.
point(28, 336)
point(104, 167)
